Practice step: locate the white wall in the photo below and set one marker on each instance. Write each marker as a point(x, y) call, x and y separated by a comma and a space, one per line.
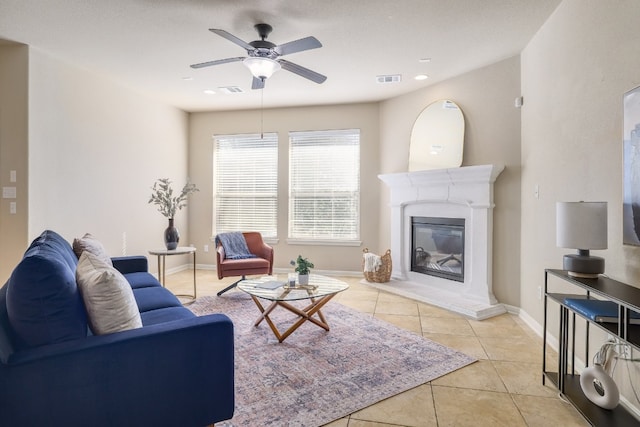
point(356, 116)
point(95, 149)
point(492, 136)
point(575, 72)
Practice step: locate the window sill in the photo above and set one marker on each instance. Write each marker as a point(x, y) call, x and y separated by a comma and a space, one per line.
point(311, 242)
point(268, 240)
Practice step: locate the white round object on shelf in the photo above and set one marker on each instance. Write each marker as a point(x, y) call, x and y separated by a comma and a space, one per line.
point(599, 387)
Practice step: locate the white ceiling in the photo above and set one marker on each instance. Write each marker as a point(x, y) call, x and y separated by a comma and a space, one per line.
point(148, 45)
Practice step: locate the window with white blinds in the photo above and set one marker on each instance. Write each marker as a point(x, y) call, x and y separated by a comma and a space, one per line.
point(324, 185)
point(246, 183)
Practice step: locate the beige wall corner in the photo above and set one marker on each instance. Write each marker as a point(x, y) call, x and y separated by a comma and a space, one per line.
point(14, 76)
point(492, 136)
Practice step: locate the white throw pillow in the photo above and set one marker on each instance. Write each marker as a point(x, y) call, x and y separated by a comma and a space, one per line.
point(91, 244)
point(108, 297)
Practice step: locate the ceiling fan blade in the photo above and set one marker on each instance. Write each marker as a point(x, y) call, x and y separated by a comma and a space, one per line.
point(302, 71)
point(257, 83)
point(218, 62)
point(298, 46)
point(232, 38)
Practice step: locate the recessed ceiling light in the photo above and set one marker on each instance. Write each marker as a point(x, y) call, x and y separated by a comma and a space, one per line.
point(421, 77)
point(210, 92)
point(187, 78)
point(424, 60)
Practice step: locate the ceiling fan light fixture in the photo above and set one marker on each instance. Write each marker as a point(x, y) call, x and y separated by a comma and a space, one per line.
point(261, 68)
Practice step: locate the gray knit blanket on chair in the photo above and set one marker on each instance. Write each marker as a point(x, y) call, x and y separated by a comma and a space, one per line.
point(235, 246)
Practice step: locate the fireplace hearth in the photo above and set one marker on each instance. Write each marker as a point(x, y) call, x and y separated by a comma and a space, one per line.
point(447, 262)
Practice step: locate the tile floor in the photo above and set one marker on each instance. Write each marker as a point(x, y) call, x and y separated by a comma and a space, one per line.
point(502, 389)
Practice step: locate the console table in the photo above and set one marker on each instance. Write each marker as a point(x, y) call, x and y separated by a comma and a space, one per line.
point(181, 250)
point(568, 383)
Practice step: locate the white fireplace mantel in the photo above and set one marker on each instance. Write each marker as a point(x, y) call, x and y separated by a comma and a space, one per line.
point(465, 192)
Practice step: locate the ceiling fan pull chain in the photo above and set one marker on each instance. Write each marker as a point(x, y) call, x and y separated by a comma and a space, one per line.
point(262, 113)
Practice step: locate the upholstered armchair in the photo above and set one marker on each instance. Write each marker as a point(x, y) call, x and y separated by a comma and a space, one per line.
point(261, 264)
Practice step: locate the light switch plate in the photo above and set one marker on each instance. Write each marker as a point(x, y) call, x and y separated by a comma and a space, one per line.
point(8, 192)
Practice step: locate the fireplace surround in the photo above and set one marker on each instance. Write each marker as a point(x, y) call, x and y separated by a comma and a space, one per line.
point(464, 193)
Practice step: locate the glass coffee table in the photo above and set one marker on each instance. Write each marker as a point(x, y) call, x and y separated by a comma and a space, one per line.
point(319, 291)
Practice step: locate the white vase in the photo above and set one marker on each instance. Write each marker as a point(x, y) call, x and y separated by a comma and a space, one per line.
point(599, 387)
point(303, 279)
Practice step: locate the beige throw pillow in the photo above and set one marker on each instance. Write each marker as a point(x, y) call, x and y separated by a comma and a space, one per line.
point(108, 298)
point(91, 244)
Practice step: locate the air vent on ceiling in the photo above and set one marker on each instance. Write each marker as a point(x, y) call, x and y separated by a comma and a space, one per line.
point(230, 89)
point(391, 78)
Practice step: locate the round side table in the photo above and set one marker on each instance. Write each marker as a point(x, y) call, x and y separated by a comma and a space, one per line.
point(162, 254)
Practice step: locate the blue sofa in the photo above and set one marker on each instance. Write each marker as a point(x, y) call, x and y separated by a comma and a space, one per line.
point(176, 370)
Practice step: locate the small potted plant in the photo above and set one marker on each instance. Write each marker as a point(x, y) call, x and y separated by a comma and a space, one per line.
point(303, 268)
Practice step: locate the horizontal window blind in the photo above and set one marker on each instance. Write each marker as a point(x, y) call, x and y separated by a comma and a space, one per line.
point(246, 183)
point(324, 185)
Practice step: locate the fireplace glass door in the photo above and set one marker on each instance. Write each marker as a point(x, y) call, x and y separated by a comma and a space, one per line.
point(437, 247)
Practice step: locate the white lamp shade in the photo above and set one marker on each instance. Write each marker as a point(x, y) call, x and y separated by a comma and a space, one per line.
point(581, 225)
point(261, 68)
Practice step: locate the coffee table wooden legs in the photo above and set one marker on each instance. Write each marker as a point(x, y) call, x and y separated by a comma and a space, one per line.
point(305, 314)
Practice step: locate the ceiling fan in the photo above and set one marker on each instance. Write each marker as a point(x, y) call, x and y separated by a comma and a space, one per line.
point(264, 56)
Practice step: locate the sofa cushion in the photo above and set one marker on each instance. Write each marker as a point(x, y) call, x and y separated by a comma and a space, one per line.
point(244, 264)
point(152, 298)
point(44, 305)
point(91, 244)
point(107, 296)
point(52, 241)
point(142, 279)
point(167, 314)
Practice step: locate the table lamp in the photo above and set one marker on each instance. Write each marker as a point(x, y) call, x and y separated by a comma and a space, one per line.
point(582, 226)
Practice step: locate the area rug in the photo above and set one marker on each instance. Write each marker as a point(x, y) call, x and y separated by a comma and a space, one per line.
point(317, 376)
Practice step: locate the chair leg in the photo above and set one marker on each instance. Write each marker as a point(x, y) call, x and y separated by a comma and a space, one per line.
point(233, 285)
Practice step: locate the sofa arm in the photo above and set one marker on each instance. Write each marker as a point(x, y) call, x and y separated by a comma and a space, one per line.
point(176, 373)
point(130, 264)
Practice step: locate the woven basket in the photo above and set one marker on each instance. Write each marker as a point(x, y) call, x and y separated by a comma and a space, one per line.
point(383, 274)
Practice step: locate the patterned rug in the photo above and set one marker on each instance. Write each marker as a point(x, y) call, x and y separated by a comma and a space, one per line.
point(315, 376)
